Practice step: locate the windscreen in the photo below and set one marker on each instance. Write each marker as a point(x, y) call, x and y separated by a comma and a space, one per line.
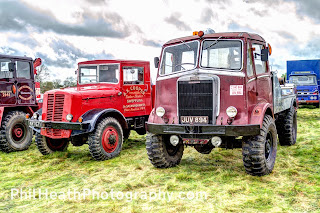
point(221, 54)
point(179, 57)
point(108, 73)
point(303, 80)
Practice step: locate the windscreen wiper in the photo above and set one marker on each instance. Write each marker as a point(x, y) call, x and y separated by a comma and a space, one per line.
point(213, 43)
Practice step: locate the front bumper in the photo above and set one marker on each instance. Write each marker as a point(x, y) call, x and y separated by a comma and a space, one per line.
point(57, 125)
point(203, 130)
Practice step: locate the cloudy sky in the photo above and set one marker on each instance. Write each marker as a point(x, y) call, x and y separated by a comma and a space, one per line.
point(65, 32)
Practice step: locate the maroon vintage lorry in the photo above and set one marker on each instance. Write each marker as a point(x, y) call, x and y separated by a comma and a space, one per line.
point(18, 98)
point(216, 90)
point(112, 97)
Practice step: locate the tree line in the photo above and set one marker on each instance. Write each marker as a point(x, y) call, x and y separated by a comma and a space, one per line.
point(46, 85)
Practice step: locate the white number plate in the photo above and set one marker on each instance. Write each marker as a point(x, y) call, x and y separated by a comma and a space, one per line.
point(194, 119)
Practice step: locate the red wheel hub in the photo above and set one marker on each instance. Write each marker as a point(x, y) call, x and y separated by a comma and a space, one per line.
point(18, 132)
point(110, 139)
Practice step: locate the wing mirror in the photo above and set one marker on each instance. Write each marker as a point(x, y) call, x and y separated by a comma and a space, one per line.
point(156, 62)
point(264, 54)
point(11, 66)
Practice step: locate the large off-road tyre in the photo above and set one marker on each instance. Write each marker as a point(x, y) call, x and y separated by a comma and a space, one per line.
point(107, 139)
point(161, 153)
point(259, 152)
point(15, 134)
point(48, 145)
point(287, 127)
point(317, 105)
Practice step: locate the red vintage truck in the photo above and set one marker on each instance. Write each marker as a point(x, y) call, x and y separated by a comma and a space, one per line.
point(112, 97)
point(216, 90)
point(18, 98)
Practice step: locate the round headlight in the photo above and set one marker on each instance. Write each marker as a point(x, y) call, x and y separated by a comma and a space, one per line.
point(35, 115)
point(160, 111)
point(69, 117)
point(231, 111)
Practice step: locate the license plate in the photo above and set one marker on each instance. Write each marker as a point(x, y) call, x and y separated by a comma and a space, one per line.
point(194, 119)
point(35, 123)
point(302, 101)
point(195, 141)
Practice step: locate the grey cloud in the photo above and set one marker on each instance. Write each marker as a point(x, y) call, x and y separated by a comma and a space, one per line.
point(207, 16)
point(286, 35)
point(24, 40)
point(174, 20)
point(233, 26)
point(151, 43)
point(69, 55)
point(309, 51)
point(310, 8)
point(18, 17)
point(4, 50)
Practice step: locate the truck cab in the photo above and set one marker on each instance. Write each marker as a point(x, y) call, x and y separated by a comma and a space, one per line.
point(216, 90)
point(305, 74)
point(112, 97)
point(18, 98)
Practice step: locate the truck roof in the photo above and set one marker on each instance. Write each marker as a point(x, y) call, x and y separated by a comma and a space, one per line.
point(16, 57)
point(111, 61)
point(246, 35)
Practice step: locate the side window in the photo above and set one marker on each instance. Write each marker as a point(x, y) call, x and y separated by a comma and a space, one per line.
point(249, 62)
point(88, 74)
point(133, 75)
point(23, 69)
point(109, 73)
point(4, 69)
point(259, 65)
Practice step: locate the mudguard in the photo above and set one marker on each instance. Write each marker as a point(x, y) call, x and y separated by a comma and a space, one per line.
point(259, 112)
point(92, 117)
point(1, 114)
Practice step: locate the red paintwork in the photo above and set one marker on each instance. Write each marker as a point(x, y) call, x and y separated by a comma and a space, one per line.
point(85, 97)
point(257, 94)
point(19, 92)
point(110, 139)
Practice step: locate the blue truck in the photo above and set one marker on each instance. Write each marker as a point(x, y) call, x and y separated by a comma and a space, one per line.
point(306, 75)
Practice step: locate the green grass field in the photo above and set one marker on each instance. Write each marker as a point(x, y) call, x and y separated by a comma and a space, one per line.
point(132, 183)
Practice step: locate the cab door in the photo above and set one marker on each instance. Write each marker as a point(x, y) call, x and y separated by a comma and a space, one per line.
point(136, 90)
point(251, 80)
point(7, 83)
point(25, 91)
point(263, 75)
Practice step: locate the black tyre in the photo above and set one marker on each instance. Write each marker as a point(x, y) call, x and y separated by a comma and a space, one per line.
point(259, 152)
point(48, 145)
point(106, 141)
point(317, 105)
point(15, 134)
point(287, 128)
point(141, 131)
point(204, 148)
point(126, 133)
point(161, 153)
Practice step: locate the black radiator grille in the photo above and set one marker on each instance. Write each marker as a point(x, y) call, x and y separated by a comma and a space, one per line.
point(195, 98)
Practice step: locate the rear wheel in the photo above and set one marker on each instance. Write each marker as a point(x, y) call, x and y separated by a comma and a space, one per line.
point(15, 134)
point(48, 145)
point(259, 152)
point(287, 128)
point(161, 153)
point(106, 141)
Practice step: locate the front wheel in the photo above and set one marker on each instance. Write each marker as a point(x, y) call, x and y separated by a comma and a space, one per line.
point(48, 145)
point(161, 153)
point(15, 134)
point(259, 152)
point(106, 141)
